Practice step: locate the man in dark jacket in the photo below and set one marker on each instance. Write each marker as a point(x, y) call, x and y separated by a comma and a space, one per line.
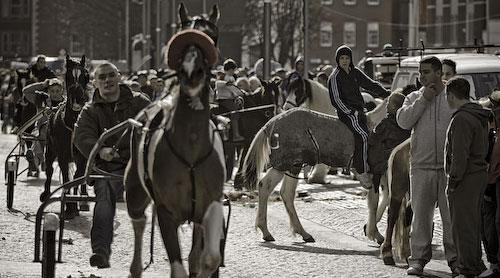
point(343, 86)
point(112, 104)
point(40, 69)
point(466, 168)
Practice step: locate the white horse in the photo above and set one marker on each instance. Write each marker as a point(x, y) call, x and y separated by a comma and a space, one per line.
point(313, 95)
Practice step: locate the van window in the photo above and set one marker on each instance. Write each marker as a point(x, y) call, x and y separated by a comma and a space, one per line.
point(400, 80)
point(485, 83)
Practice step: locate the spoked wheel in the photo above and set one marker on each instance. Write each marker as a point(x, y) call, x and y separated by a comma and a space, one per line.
point(11, 175)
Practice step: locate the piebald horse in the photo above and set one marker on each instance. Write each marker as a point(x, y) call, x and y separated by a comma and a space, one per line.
point(177, 159)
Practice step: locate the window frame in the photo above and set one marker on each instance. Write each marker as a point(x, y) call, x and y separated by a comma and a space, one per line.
point(326, 26)
point(346, 31)
point(368, 41)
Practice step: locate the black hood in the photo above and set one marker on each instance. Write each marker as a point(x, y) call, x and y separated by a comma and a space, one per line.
point(477, 111)
point(343, 50)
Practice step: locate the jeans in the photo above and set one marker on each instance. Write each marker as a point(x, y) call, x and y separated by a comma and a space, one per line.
point(101, 235)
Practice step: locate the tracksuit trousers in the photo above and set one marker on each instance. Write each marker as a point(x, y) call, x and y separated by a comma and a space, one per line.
point(357, 124)
point(427, 187)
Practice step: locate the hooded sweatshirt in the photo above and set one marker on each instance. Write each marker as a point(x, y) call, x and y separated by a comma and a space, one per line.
point(428, 121)
point(344, 87)
point(466, 143)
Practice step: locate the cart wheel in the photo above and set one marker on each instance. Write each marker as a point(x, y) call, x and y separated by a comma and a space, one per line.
point(10, 188)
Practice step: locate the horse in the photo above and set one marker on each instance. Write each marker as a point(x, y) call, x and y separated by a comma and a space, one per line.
point(313, 95)
point(289, 140)
point(179, 163)
point(60, 128)
point(259, 107)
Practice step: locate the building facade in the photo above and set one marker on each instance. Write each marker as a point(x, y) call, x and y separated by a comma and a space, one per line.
point(15, 29)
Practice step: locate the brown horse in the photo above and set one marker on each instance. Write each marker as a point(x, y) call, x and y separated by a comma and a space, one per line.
point(176, 158)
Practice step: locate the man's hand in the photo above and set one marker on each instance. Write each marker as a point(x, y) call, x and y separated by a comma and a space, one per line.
point(108, 153)
point(430, 91)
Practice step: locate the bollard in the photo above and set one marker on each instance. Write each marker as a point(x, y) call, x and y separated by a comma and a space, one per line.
point(50, 224)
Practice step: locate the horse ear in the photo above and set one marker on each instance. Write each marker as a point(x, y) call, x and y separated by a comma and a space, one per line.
point(183, 14)
point(67, 58)
point(82, 61)
point(214, 15)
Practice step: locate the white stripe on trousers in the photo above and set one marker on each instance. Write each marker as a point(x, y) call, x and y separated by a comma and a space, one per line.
point(355, 124)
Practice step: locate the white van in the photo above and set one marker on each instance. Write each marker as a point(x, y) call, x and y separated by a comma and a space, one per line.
point(482, 71)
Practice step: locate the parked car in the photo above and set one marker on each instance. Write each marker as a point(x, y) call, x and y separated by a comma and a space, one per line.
point(380, 68)
point(481, 70)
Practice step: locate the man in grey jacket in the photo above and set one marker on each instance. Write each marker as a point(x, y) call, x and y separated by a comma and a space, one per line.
point(427, 114)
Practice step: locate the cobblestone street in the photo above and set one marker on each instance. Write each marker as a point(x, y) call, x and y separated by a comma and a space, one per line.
point(334, 217)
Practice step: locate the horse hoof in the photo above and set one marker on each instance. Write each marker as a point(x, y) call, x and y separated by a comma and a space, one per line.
point(309, 239)
point(389, 261)
point(268, 238)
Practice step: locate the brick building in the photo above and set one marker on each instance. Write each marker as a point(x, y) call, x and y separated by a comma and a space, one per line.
point(15, 29)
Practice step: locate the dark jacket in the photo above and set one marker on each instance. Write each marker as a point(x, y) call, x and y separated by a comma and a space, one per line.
point(494, 167)
point(43, 74)
point(466, 144)
point(99, 115)
point(382, 141)
point(344, 87)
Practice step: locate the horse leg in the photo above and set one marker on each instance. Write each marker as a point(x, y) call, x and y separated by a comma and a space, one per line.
point(137, 201)
point(71, 207)
point(168, 230)
point(318, 174)
point(392, 217)
point(288, 188)
point(238, 178)
point(195, 254)
point(384, 201)
point(370, 228)
point(49, 170)
point(212, 222)
point(266, 186)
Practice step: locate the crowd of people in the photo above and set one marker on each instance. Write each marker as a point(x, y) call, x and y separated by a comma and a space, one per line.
point(454, 155)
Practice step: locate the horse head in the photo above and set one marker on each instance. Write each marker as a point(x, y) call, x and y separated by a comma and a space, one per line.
point(76, 77)
point(298, 92)
point(271, 92)
point(192, 52)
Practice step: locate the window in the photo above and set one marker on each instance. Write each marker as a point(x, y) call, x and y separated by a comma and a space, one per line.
point(373, 2)
point(373, 34)
point(19, 8)
point(350, 34)
point(14, 43)
point(349, 2)
point(326, 2)
point(326, 34)
point(76, 46)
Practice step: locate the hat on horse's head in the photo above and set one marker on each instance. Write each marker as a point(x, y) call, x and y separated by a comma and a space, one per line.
point(183, 39)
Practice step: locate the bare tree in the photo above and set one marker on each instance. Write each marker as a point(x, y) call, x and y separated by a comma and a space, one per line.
point(286, 26)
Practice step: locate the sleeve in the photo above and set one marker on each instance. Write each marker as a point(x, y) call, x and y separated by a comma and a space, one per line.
point(460, 139)
point(374, 88)
point(411, 111)
point(334, 91)
point(86, 133)
point(30, 91)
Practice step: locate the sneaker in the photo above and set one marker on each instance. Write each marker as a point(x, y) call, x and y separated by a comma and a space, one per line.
point(415, 269)
point(366, 180)
point(99, 261)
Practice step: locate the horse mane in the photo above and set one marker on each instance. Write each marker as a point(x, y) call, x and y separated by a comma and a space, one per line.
point(308, 86)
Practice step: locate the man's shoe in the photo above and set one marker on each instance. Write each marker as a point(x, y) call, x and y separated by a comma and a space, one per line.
point(366, 180)
point(415, 270)
point(99, 261)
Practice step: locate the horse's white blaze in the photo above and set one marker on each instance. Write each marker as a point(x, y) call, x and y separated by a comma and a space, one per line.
point(189, 62)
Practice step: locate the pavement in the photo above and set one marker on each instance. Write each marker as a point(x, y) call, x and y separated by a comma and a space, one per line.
point(333, 214)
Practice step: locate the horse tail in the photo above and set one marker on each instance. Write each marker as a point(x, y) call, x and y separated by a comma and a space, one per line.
point(256, 159)
point(401, 237)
